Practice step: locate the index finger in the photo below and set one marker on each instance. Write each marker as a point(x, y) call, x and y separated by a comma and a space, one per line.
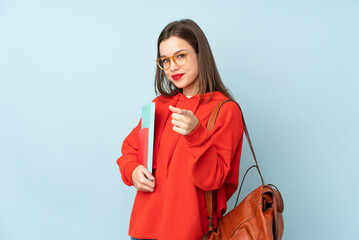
point(176, 109)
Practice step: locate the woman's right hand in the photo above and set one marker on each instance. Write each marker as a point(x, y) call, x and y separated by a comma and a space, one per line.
point(140, 179)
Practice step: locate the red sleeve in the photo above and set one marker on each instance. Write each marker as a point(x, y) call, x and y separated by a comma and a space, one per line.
point(128, 161)
point(213, 153)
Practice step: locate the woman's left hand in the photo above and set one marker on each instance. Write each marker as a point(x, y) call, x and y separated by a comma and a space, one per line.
point(184, 121)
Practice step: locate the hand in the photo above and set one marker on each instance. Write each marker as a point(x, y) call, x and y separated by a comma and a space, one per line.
point(140, 176)
point(184, 121)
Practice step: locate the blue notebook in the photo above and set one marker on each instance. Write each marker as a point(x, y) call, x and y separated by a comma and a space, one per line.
point(146, 136)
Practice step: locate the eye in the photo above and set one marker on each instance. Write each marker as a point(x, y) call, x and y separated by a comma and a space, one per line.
point(164, 60)
point(181, 55)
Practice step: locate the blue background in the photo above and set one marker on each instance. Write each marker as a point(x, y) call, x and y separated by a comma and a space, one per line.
point(74, 75)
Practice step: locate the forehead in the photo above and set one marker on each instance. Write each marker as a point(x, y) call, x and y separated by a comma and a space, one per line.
point(172, 45)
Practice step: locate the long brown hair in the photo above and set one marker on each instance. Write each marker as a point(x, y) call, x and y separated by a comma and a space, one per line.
point(208, 76)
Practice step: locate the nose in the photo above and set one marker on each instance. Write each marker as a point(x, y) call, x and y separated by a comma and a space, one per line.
point(173, 65)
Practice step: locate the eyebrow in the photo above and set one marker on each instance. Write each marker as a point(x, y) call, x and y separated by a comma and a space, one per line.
point(182, 50)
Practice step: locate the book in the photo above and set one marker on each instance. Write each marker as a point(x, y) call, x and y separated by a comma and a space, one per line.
point(146, 136)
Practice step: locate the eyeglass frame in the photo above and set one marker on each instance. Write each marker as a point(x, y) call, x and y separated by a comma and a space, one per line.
point(180, 52)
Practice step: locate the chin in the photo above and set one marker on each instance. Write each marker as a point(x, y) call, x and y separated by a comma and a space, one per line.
point(178, 85)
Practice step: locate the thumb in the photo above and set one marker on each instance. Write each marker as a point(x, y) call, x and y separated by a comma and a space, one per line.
point(148, 174)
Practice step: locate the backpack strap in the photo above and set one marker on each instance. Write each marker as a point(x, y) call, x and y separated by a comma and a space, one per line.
point(210, 125)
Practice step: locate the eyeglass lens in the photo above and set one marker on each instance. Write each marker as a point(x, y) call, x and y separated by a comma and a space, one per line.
point(179, 59)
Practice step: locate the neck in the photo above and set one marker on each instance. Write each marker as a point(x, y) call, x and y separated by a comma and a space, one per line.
point(190, 93)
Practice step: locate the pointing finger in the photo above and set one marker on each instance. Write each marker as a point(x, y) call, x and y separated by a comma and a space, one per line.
point(176, 110)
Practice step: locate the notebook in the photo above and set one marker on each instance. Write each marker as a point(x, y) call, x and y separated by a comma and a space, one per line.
point(146, 136)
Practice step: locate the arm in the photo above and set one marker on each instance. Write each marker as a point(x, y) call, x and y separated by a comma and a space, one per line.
point(213, 152)
point(132, 172)
point(128, 161)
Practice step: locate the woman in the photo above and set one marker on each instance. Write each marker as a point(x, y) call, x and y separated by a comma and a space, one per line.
point(188, 159)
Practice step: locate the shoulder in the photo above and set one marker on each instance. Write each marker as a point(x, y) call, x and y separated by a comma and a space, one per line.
point(229, 120)
point(230, 110)
point(163, 99)
point(230, 107)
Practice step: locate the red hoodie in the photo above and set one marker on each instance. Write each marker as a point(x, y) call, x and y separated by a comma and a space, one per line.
point(185, 167)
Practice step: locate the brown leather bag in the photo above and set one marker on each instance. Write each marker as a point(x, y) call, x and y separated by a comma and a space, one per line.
point(258, 216)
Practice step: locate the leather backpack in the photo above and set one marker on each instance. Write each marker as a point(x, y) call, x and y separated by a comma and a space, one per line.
point(258, 216)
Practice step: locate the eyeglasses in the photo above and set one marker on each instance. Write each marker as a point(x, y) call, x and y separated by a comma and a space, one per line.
point(179, 59)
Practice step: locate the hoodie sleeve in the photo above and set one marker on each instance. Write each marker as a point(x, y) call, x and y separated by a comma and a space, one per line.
point(128, 161)
point(215, 155)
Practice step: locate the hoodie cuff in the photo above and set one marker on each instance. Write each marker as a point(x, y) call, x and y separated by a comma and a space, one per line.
point(128, 171)
point(198, 136)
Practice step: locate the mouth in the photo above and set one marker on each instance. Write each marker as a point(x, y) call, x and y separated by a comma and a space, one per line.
point(177, 76)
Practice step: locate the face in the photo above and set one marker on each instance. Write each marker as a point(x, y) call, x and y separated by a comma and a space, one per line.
point(186, 76)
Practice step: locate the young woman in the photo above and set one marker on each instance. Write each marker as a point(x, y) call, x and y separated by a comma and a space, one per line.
point(188, 159)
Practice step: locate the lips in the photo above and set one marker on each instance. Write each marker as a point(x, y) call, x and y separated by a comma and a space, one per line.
point(177, 76)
